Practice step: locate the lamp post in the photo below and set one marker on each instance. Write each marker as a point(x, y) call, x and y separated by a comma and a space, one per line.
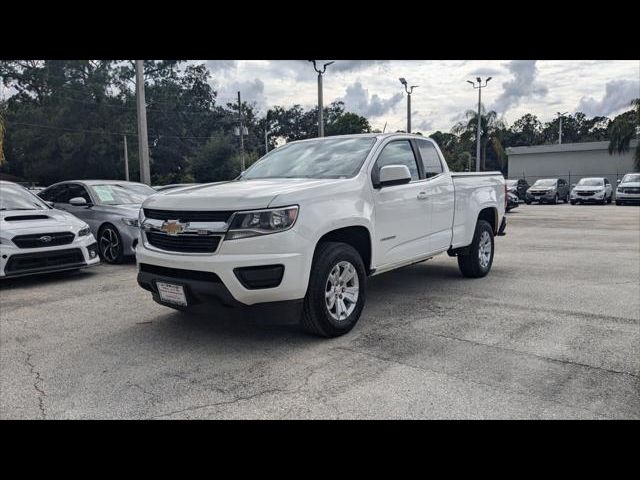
point(479, 87)
point(320, 72)
point(560, 115)
point(409, 90)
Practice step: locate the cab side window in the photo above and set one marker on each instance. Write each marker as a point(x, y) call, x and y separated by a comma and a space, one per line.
point(430, 159)
point(398, 152)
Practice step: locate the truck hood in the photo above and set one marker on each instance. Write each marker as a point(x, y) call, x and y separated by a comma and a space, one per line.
point(37, 220)
point(235, 195)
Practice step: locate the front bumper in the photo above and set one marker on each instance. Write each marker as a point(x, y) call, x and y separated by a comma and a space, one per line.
point(544, 197)
point(19, 262)
point(594, 197)
point(627, 197)
point(211, 277)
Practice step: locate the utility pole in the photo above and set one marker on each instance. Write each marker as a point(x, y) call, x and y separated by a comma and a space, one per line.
point(320, 102)
point(409, 90)
point(126, 160)
point(479, 118)
point(143, 137)
point(241, 132)
point(560, 129)
point(266, 141)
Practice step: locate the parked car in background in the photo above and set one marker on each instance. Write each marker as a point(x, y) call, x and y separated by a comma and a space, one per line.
point(592, 190)
point(164, 188)
point(311, 220)
point(548, 190)
point(110, 207)
point(512, 201)
point(518, 187)
point(35, 238)
point(628, 190)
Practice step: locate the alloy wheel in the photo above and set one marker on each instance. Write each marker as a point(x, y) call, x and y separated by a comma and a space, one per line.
point(342, 290)
point(109, 245)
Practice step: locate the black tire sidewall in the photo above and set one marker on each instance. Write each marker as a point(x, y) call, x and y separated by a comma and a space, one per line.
point(323, 265)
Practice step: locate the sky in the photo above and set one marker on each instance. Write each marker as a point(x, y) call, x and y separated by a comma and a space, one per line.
point(371, 87)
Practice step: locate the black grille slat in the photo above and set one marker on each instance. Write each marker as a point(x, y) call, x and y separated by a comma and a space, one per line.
point(188, 216)
point(184, 243)
point(179, 273)
point(43, 261)
point(33, 240)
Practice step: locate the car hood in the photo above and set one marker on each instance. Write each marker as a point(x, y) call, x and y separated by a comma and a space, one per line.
point(588, 188)
point(129, 210)
point(237, 195)
point(34, 221)
point(630, 185)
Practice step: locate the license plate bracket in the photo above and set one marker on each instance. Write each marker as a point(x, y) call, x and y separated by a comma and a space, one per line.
point(172, 293)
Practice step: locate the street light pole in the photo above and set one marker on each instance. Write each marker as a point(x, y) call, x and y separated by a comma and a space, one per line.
point(560, 129)
point(126, 160)
point(241, 132)
point(143, 137)
point(479, 87)
point(409, 90)
point(320, 72)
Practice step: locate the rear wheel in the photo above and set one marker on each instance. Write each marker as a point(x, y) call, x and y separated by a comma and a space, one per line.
point(573, 202)
point(336, 293)
point(110, 244)
point(477, 262)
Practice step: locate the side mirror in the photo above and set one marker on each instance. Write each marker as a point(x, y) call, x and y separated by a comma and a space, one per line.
point(79, 202)
point(394, 175)
point(619, 180)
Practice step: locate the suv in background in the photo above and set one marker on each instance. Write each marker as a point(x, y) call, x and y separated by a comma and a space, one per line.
point(549, 190)
point(592, 189)
point(628, 190)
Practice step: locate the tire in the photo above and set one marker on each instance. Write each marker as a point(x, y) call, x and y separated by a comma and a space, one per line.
point(555, 199)
point(610, 199)
point(110, 244)
point(470, 264)
point(318, 317)
point(603, 201)
point(566, 198)
point(618, 202)
point(528, 202)
point(573, 202)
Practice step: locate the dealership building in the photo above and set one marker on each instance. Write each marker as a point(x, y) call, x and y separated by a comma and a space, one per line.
point(571, 161)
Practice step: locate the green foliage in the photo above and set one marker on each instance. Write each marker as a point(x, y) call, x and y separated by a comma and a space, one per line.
point(623, 129)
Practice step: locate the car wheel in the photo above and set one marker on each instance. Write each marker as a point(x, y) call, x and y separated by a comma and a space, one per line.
point(618, 202)
point(110, 244)
point(573, 202)
point(610, 199)
point(555, 199)
point(478, 261)
point(528, 202)
point(604, 200)
point(336, 293)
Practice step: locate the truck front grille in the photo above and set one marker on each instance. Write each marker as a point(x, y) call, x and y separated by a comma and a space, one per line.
point(188, 216)
point(184, 243)
point(39, 240)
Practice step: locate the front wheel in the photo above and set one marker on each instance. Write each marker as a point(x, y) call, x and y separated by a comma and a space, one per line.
point(336, 293)
point(110, 244)
point(477, 262)
point(610, 199)
point(573, 202)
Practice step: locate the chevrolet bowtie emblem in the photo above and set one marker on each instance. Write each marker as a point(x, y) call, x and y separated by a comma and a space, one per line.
point(173, 227)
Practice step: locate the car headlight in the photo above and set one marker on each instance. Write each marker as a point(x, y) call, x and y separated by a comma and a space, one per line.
point(83, 232)
point(261, 222)
point(132, 222)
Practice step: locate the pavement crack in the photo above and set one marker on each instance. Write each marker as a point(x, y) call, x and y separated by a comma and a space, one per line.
point(217, 404)
point(535, 355)
point(38, 384)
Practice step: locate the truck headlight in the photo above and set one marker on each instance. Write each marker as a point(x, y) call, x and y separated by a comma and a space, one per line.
point(83, 232)
point(261, 222)
point(132, 222)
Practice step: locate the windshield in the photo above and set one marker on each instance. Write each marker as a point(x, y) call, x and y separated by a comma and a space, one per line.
point(549, 182)
point(591, 182)
point(326, 158)
point(631, 177)
point(121, 194)
point(15, 197)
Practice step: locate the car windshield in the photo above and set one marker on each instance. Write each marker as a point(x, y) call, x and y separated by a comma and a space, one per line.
point(631, 177)
point(15, 197)
point(549, 182)
point(591, 182)
point(326, 158)
point(112, 194)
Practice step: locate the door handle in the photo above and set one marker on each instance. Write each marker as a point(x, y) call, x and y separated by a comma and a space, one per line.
point(423, 196)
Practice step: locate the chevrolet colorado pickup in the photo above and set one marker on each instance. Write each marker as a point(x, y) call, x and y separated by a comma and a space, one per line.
point(311, 220)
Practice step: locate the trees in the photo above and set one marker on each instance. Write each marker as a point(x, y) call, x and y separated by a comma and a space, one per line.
point(490, 139)
point(623, 129)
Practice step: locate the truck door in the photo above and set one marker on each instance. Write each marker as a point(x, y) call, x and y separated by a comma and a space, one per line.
point(401, 228)
point(438, 187)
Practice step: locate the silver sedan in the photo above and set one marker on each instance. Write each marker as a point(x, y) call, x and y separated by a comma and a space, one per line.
point(110, 207)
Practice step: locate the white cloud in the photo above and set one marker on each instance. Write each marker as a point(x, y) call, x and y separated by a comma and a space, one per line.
point(618, 95)
point(357, 99)
point(523, 85)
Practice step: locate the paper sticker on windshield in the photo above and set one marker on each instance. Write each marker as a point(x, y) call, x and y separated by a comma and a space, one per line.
point(104, 193)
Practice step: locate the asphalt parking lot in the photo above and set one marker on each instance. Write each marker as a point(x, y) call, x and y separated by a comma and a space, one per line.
point(552, 332)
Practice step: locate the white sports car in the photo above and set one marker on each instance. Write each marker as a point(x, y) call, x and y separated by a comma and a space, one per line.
point(36, 238)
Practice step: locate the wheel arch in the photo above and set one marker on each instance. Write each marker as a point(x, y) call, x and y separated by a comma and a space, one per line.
point(358, 236)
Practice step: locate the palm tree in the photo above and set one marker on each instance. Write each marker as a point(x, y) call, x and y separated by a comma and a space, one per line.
point(490, 126)
point(623, 129)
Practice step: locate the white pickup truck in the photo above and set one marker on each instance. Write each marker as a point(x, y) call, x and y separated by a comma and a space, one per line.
point(311, 220)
